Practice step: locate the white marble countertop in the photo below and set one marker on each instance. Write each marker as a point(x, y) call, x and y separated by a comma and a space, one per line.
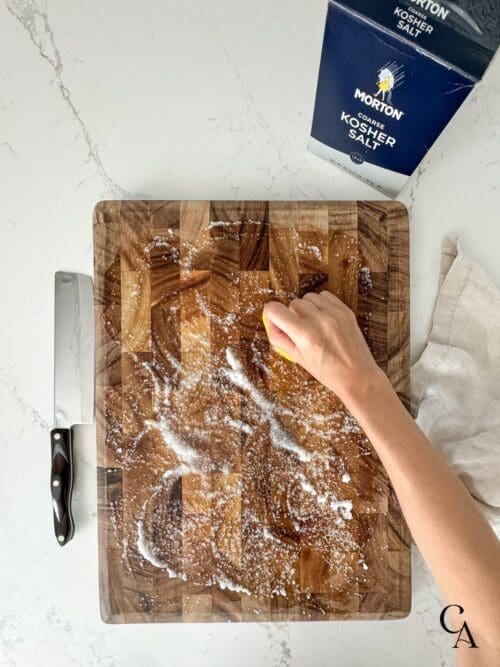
point(197, 99)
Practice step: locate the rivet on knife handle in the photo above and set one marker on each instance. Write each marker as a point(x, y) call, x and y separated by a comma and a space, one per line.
point(61, 483)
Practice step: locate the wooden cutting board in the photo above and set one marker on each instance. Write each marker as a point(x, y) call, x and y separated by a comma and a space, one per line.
point(232, 486)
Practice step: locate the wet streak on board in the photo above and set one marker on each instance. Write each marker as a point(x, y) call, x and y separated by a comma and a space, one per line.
point(231, 485)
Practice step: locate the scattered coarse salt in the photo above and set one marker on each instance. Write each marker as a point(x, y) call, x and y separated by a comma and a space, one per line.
point(148, 551)
point(343, 506)
point(226, 584)
point(238, 425)
point(206, 395)
point(184, 452)
point(365, 278)
point(278, 435)
point(350, 425)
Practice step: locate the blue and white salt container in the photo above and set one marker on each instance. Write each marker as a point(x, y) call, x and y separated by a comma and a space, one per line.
point(392, 75)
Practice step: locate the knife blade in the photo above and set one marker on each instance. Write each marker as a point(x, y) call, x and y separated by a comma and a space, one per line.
point(73, 388)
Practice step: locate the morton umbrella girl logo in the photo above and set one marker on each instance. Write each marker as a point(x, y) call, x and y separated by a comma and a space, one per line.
point(389, 77)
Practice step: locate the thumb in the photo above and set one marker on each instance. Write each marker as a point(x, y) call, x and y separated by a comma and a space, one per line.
point(283, 319)
point(280, 340)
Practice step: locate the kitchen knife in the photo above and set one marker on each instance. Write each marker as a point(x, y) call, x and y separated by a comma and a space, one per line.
point(73, 388)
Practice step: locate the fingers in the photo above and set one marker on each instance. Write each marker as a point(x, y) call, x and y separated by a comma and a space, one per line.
point(324, 301)
point(329, 302)
point(332, 300)
point(312, 297)
point(285, 325)
point(337, 306)
point(303, 308)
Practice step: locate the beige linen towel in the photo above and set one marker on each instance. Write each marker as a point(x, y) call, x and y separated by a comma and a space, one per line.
point(456, 382)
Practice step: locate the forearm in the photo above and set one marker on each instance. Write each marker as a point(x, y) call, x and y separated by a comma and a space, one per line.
point(456, 541)
point(322, 335)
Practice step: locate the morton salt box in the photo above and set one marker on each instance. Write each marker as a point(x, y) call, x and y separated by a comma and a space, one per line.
point(392, 75)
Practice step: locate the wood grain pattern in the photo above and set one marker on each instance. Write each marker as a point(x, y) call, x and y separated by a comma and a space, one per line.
point(232, 486)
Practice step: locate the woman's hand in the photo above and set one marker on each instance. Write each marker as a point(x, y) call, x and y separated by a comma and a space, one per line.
point(322, 335)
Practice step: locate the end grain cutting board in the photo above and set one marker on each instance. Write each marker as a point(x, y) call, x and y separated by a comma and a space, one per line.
point(232, 486)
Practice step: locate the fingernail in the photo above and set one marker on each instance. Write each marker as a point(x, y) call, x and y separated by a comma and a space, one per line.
point(284, 354)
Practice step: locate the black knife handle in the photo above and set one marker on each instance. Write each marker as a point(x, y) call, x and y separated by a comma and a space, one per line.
point(61, 483)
